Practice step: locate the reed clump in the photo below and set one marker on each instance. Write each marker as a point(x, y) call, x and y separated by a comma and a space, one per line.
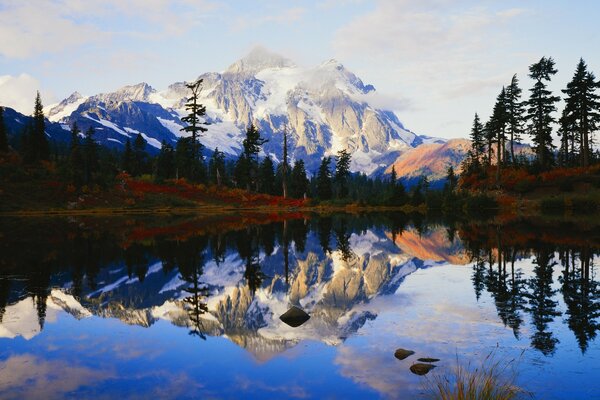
point(492, 379)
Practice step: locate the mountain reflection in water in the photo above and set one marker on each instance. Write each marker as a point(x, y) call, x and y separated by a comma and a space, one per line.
point(234, 278)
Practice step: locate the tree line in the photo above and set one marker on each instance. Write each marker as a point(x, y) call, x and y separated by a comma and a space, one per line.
point(512, 118)
point(84, 163)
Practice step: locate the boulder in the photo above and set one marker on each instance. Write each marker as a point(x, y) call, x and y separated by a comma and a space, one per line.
point(401, 354)
point(295, 317)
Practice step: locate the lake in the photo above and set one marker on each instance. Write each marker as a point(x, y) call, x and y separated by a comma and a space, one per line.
point(174, 307)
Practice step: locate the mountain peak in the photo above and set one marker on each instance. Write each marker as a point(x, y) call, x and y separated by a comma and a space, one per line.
point(332, 63)
point(138, 92)
point(258, 59)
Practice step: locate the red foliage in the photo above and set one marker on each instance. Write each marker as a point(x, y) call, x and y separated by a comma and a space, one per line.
point(207, 194)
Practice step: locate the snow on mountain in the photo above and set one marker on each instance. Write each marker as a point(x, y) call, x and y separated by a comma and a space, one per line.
point(65, 108)
point(324, 109)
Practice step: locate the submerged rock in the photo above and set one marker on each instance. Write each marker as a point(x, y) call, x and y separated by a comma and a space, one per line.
point(421, 369)
point(401, 354)
point(428, 360)
point(295, 317)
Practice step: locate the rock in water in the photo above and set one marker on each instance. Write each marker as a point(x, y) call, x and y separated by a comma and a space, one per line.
point(401, 354)
point(295, 317)
point(421, 369)
point(428, 360)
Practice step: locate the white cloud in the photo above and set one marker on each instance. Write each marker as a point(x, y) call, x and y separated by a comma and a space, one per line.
point(446, 56)
point(28, 28)
point(18, 92)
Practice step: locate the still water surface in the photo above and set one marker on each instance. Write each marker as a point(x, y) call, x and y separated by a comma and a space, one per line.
point(127, 308)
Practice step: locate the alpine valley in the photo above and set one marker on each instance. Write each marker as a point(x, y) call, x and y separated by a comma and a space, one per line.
point(324, 109)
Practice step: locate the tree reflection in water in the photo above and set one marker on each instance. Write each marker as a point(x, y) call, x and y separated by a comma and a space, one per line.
point(493, 249)
point(518, 266)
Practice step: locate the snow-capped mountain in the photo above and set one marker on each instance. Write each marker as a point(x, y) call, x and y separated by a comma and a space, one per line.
point(324, 109)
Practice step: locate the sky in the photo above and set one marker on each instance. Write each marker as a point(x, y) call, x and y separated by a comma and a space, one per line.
point(437, 61)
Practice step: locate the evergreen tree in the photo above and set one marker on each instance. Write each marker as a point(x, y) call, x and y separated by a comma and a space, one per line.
point(267, 176)
point(241, 172)
point(515, 110)
point(249, 159)
point(284, 164)
point(393, 176)
point(35, 145)
point(582, 109)
point(140, 157)
point(489, 133)
point(498, 123)
point(342, 172)
point(541, 105)
point(324, 189)
point(165, 162)
point(477, 138)
point(567, 132)
point(3, 135)
point(299, 180)
point(76, 162)
point(42, 149)
point(188, 164)
point(90, 156)
point(216, 167)
point(253, 142)
point(451, 180)
point(127, 162)
point(196, 112)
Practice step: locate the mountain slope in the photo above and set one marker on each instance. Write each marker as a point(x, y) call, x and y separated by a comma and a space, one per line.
point(432, 159)
point(324, 109)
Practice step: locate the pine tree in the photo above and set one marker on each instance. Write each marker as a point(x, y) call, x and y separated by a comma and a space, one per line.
point(187, 165)
point(477, 138)
point(127, 162)
point(165, 162)
point(253, 142)
point(498, 123)
point(393, 176)
point(541, 105)
point(267, 176)
point(284, 165)
point(299, 180)
point(216, 167)
point(324, 189)
point(3, 136)
point(140, 156)
point(196, 112)
point(489, 133)
point(582, 109)
point(515, 110)
point(342, 172)
point(42, 149)
point(249, 159)
point(90, 156)
point(451, 180)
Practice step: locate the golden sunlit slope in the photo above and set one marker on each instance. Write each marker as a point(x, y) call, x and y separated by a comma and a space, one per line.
point(431, 159)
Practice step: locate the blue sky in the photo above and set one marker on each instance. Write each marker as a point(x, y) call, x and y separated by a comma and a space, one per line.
point(441, 60)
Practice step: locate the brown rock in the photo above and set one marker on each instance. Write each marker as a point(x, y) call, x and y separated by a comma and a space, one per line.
point(421, 369)
point(295, 317)
point(401, 354)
